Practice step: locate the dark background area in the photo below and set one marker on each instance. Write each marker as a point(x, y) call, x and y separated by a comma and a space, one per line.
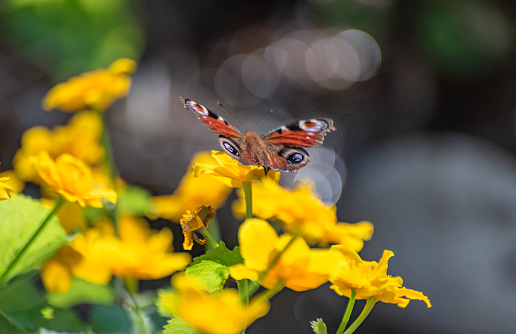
point(422, 94)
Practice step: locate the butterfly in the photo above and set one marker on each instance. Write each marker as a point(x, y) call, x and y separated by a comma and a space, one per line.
point(280, 149)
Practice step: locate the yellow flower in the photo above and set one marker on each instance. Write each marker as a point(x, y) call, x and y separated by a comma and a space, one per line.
point(80, 138)
point(192, 192)
point(221, 312)
point(193, 221)
point(370, 279)
point(299, 267)
point(137, 253)
point(305, 215)
point(96, 90)
point(231, 172)
point(71, 178)
point(12, 180)
point(58, 272)
point(6, 191)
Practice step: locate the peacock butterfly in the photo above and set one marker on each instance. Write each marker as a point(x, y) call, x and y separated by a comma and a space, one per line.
point(280, 149)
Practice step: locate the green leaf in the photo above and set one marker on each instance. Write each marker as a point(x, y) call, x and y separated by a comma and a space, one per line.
point(158, 321)
point(82, 292)
point(318, 326)
point(211, 274)
point(212, 268)
point(21, 304)
point(134, 200)
point(20, 295)
point(64, 321)
point(222, 255)
point(26, 320)
point(21, 217)
point(110, 320)
point(177, 326)
point(8, 327)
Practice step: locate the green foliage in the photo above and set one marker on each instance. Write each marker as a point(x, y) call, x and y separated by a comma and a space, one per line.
point(176, 326)
point(110, 320)
point(318, 326)
point(20, 306)
point(71, 36)
point(82, 292)
point(212, 268)
point(21, 217)
point(64, 321)
point(134, 200)
point(460, 43)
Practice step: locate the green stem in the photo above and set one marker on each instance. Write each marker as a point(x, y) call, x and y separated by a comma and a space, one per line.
point(59, 201)
point(248, 194)
point(131, 284)
point(347, 314)
point(210, 239)
point(106, 143)
point(214, 230)
point(371, 301)
point(253, 289)
point(110, 163)
point(243, 289)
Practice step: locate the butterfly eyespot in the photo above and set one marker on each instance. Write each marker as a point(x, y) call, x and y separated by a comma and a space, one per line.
point(295, 158)
point(312, 125)
point(230, 148)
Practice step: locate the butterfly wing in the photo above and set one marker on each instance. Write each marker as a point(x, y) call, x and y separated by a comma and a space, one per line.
point(230, 139)
point(304, 133)
point(211, 120)
point(287, 142)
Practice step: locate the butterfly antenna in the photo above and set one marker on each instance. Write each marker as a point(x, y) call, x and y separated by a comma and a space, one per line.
point(263, 119)
point(230, 114)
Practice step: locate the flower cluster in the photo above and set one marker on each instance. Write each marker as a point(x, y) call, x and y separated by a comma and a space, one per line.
point(89, 230)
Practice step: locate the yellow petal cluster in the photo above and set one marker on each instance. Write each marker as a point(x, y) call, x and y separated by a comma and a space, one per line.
point(231, 172)
point(137, 252)
point(80, 138)
point(57, 274)
point(370, 279)
point(12, 180)
point(6, 191)
point(299, 267)
point(193, 221)
point(70, 178)
point(96, 90)
point(192, 192)
point(305, 215)
point(221, 312)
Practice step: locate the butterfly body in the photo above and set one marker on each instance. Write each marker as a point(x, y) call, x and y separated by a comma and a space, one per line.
point(280, 149)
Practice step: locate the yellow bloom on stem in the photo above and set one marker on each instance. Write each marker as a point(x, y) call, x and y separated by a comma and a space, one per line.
point(303, 214)
point(138, 252)
point(80, 138)
point(96, 90)
point(221, 312)
point(70, 178)
point(6, 191)
point(192, 192)
point(193, 221)
point(57, 274)
point(231, 172)
point(370, 279)
point(299, 267)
